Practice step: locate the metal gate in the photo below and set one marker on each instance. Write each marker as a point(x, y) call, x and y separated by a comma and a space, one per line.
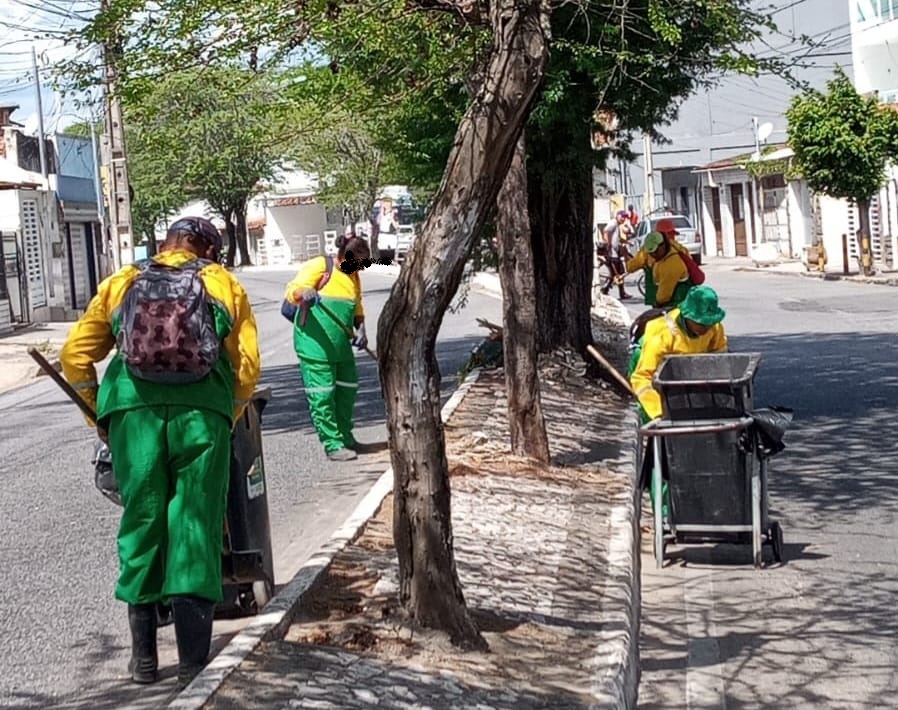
point(31, 248)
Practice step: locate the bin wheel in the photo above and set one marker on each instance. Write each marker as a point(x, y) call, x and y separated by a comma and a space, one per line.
point(261, 593)
point(776, 539)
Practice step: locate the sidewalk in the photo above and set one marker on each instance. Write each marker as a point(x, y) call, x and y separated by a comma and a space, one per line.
point(18, 367)
point(797, 268)
point(548, 560)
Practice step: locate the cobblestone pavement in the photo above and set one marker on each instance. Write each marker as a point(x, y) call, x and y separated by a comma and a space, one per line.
point(547, 556)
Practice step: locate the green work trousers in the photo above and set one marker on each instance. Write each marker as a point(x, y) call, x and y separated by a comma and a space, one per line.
point(331, 389)
point(172, 464)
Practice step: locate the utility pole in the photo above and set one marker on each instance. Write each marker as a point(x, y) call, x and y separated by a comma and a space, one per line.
point(649, 174)
point(42, 146)
point(758, 212)
point(47, 203)
point(116, 162)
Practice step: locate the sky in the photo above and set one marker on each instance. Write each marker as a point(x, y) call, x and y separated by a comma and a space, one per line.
point(37, 24)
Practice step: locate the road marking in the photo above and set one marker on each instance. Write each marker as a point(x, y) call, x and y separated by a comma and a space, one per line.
point(704, 677)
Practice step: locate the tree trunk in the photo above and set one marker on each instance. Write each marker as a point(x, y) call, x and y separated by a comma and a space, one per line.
point(232, 239)
point(864, 249)
point(240, 234)
point(519, 324)
point(428, 581)
point(561, 219)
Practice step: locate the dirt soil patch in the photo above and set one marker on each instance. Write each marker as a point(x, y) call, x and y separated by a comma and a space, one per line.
point(529, 543)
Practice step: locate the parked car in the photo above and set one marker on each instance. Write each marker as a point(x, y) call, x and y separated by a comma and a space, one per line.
point(405, 236)
point(688, 235)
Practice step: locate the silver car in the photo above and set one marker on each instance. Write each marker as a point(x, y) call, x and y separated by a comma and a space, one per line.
point(687, 235)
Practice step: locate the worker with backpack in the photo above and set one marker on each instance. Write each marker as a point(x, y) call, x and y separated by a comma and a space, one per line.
point(186, 365)
point(324, 302)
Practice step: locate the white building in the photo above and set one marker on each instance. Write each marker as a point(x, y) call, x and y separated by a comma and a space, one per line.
point(718, 124)
point(874, 32)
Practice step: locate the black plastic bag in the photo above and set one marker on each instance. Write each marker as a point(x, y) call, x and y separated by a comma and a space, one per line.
point(770, 425)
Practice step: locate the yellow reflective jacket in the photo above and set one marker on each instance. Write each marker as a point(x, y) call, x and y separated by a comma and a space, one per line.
point(666, 336)
point(226, 390)
point(668, 273)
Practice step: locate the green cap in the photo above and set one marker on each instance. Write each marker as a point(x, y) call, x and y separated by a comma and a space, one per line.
point(700, 305)
point(653, 241)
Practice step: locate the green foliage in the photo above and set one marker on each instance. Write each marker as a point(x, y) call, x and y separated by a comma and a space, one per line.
point(387, 82)
point(842, 140)
point(212, 134)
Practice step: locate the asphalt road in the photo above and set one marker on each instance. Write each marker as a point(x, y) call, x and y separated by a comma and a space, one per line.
point(820, 630)
point(64, 640)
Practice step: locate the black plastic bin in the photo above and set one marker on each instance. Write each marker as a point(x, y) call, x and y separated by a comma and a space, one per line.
point(714, 386)
point(247, 560)
point(716, 479)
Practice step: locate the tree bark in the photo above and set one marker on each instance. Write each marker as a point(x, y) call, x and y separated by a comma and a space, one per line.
point(519, 326)
point(240, 233)
point(428, 581)
point(864, 249)
point(232, 239)
point(561, 219)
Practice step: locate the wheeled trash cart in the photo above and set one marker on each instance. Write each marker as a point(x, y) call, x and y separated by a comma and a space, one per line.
point(707, 450)
point(247, 560)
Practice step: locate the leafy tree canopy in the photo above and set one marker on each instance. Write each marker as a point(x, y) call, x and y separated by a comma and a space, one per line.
point(842, 140)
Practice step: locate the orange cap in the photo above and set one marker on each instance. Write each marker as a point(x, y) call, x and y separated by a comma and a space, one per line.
point(666, 226)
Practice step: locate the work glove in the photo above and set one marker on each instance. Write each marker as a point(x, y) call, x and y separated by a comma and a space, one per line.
point(361, 338)
point(310, 296)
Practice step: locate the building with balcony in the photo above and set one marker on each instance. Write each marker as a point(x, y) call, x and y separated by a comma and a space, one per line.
point(874, 47)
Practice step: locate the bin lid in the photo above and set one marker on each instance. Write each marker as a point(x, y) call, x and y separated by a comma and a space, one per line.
point(706, 369)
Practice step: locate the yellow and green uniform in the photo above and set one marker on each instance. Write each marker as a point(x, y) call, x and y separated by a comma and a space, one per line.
point(170, 444)
point(326, 360)
point(666, 280)
point(665, 336)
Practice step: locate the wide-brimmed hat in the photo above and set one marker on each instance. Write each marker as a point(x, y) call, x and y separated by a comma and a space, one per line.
point(700, 306)
point(666, 226)
point(652, 241)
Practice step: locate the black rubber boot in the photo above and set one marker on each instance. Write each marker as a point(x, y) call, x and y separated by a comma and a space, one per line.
point(144, 663)
point(193, 630)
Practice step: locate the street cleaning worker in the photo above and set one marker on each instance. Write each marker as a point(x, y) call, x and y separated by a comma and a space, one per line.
point(186, 365)
point(666, 276)
point(694, 328)
point(326, 360)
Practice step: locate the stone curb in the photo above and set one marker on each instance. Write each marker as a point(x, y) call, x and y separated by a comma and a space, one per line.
point(279, 612)
point(826, 276)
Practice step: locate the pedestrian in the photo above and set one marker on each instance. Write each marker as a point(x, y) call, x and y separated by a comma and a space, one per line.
point(632, 216)
point(330, 304)
point(666, 275)
point(695, 327)
point(186, 365)
point(616, 233)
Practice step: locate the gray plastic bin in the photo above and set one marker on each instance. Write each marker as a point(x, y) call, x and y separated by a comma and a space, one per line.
point(715, 386)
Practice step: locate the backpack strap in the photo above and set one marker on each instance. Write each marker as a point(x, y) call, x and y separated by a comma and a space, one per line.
point(326, 276)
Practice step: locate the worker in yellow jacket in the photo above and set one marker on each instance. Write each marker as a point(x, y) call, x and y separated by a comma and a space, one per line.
point(667, 278)
point(186, 365)
point(326, 360)
point(695, 327)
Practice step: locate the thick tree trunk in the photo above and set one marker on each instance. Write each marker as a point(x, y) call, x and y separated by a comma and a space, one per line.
point(561, 219)
point(864, 249)
point(232, 239)
point(484, 144)
point(240, 234)
point(519, 326)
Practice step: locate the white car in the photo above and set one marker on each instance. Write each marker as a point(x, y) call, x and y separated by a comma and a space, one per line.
point(687, 235)
point(405, 236)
